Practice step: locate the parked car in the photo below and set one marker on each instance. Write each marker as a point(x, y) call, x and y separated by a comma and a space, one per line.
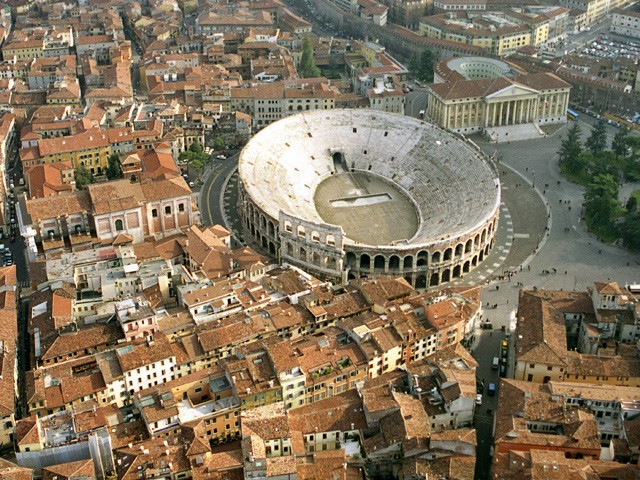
point(503, 370)
point(479, 399)
point(496, 363)
point(492, 389)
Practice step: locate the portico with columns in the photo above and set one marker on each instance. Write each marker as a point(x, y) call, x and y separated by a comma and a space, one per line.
point(472, 106)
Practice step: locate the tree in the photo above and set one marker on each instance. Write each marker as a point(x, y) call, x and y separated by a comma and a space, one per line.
point(422, 65)
point(632, 204)
point(597, 141)
point(571, 147)
point(196, 147)
point(601, 204)
point(620, 141)
point(308, 68)
point(218, 143)
point(630, 231)
point(82, 176)
point(114, 168)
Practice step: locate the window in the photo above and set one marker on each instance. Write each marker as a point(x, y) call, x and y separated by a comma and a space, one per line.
point(167, 210)
point(181, 207)
point(119, 224)
point(154, 213)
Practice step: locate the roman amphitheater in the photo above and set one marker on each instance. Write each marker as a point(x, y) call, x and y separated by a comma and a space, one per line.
point(352, 193)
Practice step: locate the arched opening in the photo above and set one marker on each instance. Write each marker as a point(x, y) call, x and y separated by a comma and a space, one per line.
point(351, 276)
point(365, 261)
point(338, 162)
point(483, 236)
point(446, 275)
point(476, 240)
point(407, 262)
point(456, 271)
point(422, 259)
point(264, 242)
point(315, 258)
point(350, 260)
point(119, 225)
point(272, 229)
point(434, 280)
point(459, 249)
point(378, 262)
point(435, 258)
point(272, 248)
point(263, 222)
point(465, 267)
point(289, 250)
point(468, 246)
point(253, 230)
point(287, 227)
point(474, 260)
point(421, 281)
point(490, 228)
point(486, 250)
point(301, 231)
point(447, 254)
point(481, 256)
point(303, 254)
point(408, 279)
point(331, 263)
point(394, 262)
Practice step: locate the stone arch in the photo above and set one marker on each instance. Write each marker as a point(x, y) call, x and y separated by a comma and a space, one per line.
point(474, 260)
point(468, 246)
point(289, 250)
point(378, 262)
point(435, 258)
point(264, 242)
point(446, 275)
point(253, 230)
point(263, 222)
point(465, 267)
point(486, 250)
point(301, 231)
point(459, 249)
point(422, 258)
point(303, 254)
point(365, 261)
point(435, 280)
point(456, 271)
point(490, 229)
point(421, 281)
point(272, 248)
point(271, 229)
point(351, 260)
point(315, 236)
point(407, 262)
point(481, 256)
point(330, 240)
point(448, 254)
point(483, 236)
point(394, 262)
point(287, 226)
point(331, 263)
point(476, 241)
point(315, 258)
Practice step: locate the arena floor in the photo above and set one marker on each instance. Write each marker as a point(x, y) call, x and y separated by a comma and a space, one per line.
point(371, 210)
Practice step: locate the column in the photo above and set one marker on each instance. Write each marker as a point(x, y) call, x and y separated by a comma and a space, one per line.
point(486, 114)
point(521, 117)
point(445, 112)
point(506, 120)
point(493, 115)
point(500, 115)
point(455, 117)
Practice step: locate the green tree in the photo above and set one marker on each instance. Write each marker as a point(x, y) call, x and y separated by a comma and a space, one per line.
point(196, 147)
point(620, 142)
point(114, 168)
point(195, 159)
point(82, 176)
point(422, 65)
point(218, 143)
point(571, 146)
point(597, 141)
point(308, 68)
point(602, 205)
point(414, 65)
point(630, 231)
point(632, 204)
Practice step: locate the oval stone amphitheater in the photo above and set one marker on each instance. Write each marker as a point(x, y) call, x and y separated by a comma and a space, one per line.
point(353, 193)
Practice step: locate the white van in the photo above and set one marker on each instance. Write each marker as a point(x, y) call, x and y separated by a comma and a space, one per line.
point(496, 363)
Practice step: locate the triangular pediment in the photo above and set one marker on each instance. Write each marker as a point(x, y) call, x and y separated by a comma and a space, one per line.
point(512, 91)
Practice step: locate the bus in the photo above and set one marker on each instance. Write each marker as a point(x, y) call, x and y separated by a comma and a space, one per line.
point(572, 114)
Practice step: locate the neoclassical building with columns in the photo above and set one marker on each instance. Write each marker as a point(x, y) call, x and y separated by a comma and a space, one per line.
point(475, 94)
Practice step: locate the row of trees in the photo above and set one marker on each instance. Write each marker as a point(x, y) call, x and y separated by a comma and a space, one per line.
point(421, 66)
point(601, 169)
